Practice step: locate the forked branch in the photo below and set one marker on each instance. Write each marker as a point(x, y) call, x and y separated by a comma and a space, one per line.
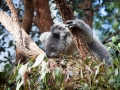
point(30, 49)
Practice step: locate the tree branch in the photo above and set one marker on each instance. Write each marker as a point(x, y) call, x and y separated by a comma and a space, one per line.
point(13, 10)
point(105, 40)
point(30, 49)
point(16, 25)
point(96, 8)
point(118, 40)
point(26, 25)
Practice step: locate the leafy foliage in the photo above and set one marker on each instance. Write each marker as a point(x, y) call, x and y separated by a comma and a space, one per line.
point(69, 74)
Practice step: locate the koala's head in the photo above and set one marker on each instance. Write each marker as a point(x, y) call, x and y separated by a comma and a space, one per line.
point(57, 41)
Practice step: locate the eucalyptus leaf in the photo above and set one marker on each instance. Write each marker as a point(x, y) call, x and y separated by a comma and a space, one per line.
point(19, 84)
point(115, 24)
point(38, 60)
point(44, 70)
point(111, 81)
point(113, 39)
point(97, 71)
point(58, 76)
point(42, 78)
point(116, 71)
point(14, 77)
point(119, 45)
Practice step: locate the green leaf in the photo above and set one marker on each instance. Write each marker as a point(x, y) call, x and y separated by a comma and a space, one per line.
point(58, 76)
point(7, 66)
point(118, 81)
point(18, 77)
point(31, 86)
point(111, 81)
point(2, 73)
point(19, 84)
point(113, 39)
point(116, 71)
point(118, 45)
point(115, 24)
point(109, 48)
point(15, 75)
point(38, 60)
point(43, 75)
point(87, 60)
point(97, 71)
point(44, 70)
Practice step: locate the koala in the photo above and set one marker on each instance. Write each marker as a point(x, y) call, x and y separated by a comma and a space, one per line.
point(59, 41)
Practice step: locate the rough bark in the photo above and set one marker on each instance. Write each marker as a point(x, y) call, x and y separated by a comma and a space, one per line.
point(26, 46)
point(89, 13)
point(44, 20)
point(19, 57)
point(66, 14)
point(28, 15)
point(26, 24)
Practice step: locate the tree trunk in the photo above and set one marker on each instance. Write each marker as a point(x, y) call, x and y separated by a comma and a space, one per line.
point(44, 20)
point(89, 13)
point(28, 16)
point(66, 14)
point(26, 25)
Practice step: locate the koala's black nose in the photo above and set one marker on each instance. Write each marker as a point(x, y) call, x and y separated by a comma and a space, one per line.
point(48, 55)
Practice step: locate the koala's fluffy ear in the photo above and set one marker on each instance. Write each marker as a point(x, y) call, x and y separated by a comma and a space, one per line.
point(59, 30)
point(44, 36)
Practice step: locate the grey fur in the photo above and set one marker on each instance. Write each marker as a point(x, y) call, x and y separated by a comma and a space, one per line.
point(59, 41)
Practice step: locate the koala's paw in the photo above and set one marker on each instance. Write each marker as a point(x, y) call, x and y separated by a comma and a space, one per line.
point(71, 23)
point(75, 23)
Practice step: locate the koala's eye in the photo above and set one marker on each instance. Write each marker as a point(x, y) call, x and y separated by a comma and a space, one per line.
point(52, 47)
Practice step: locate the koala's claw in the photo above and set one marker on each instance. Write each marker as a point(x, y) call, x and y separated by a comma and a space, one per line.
point(70, 23)
point(67, 25)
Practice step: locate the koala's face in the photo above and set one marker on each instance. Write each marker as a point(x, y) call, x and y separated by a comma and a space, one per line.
point(54, 46)
point(55, 42)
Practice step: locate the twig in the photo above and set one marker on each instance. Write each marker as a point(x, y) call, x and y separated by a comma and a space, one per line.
point(96, 8)
point(13, 10)
point(111, 41)
point(110, 36)
point(15, 21)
